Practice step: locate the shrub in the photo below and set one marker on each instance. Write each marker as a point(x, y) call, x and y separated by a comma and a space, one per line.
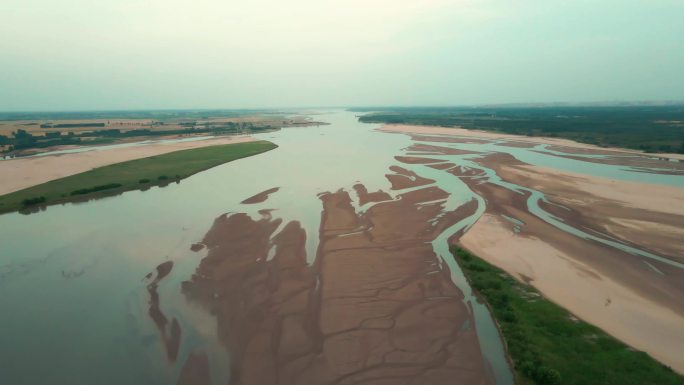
point(527, 368)
point(547, 376)
point(508, 316)
point(96, 188)
point(145, 180)
point(33, 201)
point(163, 177)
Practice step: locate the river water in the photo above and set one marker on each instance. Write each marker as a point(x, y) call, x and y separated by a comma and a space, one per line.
point(72, 290)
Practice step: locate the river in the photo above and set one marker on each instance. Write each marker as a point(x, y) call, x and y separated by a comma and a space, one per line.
point(72, 283)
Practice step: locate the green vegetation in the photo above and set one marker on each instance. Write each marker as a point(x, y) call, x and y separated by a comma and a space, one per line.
point(548, 345)
point(120, 177)
point(33, 201)
point(84, 191)
point(22, 139)
point(132, 114)
point(646, 128)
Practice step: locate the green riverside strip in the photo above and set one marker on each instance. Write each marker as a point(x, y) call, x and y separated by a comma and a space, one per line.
point(129, 175)
point(646, 128)
point(548, 345)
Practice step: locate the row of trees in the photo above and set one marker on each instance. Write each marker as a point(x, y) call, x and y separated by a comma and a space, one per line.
point(22, 139)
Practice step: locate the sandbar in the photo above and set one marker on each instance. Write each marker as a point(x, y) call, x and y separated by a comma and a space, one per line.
point(636, 298)
point(458, 131)
point(20, 173)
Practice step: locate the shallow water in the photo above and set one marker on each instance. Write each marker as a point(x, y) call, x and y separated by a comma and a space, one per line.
point(71, 277)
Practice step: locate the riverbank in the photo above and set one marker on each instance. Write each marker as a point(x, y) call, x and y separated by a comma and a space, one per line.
point(533, 140)
point(159, 169)
point(652, 129)
point(549, 345)
point(20, 173)
point(615, 242)
point(25, 134)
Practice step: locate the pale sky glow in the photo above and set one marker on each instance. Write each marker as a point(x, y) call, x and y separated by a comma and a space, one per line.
point(135, 54)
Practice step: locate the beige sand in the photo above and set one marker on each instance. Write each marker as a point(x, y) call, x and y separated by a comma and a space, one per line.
point(433, 130)
point(602, 204)
point(18, 174)
point(638, 300)
point(634, 194)
point(626, 210)
point(587, 293)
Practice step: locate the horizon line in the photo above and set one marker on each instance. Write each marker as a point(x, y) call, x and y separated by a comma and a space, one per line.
point(625, 103)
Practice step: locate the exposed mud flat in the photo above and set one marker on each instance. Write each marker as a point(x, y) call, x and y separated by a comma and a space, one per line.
point(368, 197)
point(260, 197)
point(376, 307)
point(403, 178)
point(170, 332)
point(415, 160)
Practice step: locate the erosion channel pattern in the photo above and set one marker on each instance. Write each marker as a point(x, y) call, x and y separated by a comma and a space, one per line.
point(376, 307)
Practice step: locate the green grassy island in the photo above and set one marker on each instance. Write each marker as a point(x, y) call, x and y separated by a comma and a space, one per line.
point(130, 175)
point(548, 345)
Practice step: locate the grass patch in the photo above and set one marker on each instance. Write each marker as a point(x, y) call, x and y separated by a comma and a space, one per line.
point(548, 345)
point(120, 177)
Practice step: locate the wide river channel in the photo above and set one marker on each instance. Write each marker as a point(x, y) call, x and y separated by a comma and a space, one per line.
point(73, 299)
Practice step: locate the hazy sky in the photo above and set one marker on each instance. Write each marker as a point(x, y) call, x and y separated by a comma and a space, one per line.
point(133, 54)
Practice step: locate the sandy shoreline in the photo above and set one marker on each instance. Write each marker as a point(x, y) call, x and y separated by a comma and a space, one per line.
point(585, 291)
point(638, 300)
point(625, 210)
point(434, 130)
point(20, 173)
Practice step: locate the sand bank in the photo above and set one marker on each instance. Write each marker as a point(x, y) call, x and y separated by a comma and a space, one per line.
point(637, 299)
point(648, 215)
point(20, 173)
point(589, 293)
point(519, 139)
